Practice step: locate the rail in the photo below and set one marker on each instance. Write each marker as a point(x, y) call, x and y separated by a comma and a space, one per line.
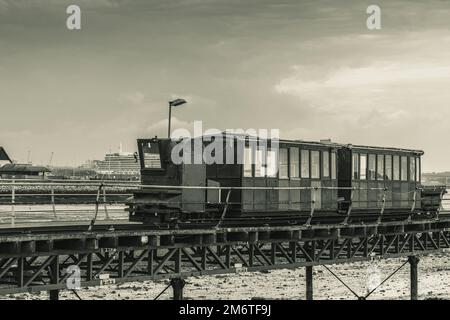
point(34, 199)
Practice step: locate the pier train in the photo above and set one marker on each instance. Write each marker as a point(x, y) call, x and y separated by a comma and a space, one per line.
point(277, 182)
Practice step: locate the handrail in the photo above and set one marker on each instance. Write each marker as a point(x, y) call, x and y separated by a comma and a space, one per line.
point(18, 190)
point(127, 184)
point(252, 188)
point(67, 180)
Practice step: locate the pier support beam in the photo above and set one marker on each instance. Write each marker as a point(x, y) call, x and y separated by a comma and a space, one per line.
point(309, 282)
point(413, 262)
point(54, 294)
point(177, 286)
point(54, 275)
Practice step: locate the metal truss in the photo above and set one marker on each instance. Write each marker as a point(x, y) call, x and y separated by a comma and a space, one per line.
point(39, 263)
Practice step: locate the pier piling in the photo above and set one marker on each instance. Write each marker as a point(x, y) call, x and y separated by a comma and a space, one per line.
point(309, 283)
point(54, 294)
point(177, 286)
point(413, 262)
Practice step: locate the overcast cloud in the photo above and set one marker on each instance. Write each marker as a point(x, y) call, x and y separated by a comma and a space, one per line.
point(310, 68)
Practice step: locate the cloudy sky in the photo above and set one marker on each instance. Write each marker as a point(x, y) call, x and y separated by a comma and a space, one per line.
point(310, 68)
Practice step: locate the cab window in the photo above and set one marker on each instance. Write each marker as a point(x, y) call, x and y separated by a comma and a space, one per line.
point(304, 156)
point(418, 170)
point(333, 165)
point(371, 167)
point(284, 163)
point(315, 164)
point(396, 167)
point(259, 164)
point(388, 173)
point(355, 163)
point(325, 164)
point(271, 164)
point(293, 161)
point(152, 159)
point(248, 162)
point(380, 167)
point(412, 169)
point(363, 165)
point(404, 168)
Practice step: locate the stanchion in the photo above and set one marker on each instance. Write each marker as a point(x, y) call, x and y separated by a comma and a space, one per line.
point(309, 283)
point(13, 201)
point(413, 262)
point(177, 286)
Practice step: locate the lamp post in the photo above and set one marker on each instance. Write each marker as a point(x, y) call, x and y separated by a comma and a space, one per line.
point(174, 103)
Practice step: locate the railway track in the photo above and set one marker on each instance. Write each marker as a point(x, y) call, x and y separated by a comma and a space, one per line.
point(68, 226)
point(60, 227)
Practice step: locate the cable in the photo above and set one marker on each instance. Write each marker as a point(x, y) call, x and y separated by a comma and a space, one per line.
point(160, 294)
point(356, 295)
point(75, 293)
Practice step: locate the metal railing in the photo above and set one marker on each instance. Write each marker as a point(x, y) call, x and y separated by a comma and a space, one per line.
point(85, 192)
point(52, 193)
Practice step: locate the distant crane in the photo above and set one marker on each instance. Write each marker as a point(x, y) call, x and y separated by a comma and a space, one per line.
point(50, 163)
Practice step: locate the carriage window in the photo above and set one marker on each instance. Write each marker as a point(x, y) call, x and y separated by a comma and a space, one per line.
point(404, 168)
point(396, 166)
point(293, 161)
point(412, 169)
point(305, 163)
point(259, 164)
point(418, 166)
point(355, 166)
point(284, 163)
point(152, 159)
point(363, 166)
point(380, 167)
point(271, 169)
point(247, 162)
point(388, 173)
point(372, 167)
point(333, 165)
point(315, 164)
point(325, 164)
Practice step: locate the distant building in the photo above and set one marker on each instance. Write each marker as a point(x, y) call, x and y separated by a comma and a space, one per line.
point(90, 164)
point(23, 171)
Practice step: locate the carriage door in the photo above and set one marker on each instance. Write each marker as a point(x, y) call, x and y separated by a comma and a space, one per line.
point(316, 178)
point(344, 156)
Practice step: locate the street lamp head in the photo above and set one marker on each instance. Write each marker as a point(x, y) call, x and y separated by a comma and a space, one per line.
point(174, 103)
point(177, 102)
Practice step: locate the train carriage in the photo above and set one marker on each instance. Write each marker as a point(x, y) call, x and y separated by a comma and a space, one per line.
point(245, 179)
point(383, 179)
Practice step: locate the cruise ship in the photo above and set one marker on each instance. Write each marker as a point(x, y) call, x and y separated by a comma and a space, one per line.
point(119, 163)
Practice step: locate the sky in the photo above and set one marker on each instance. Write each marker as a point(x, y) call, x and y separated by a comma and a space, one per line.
point(309, 68)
